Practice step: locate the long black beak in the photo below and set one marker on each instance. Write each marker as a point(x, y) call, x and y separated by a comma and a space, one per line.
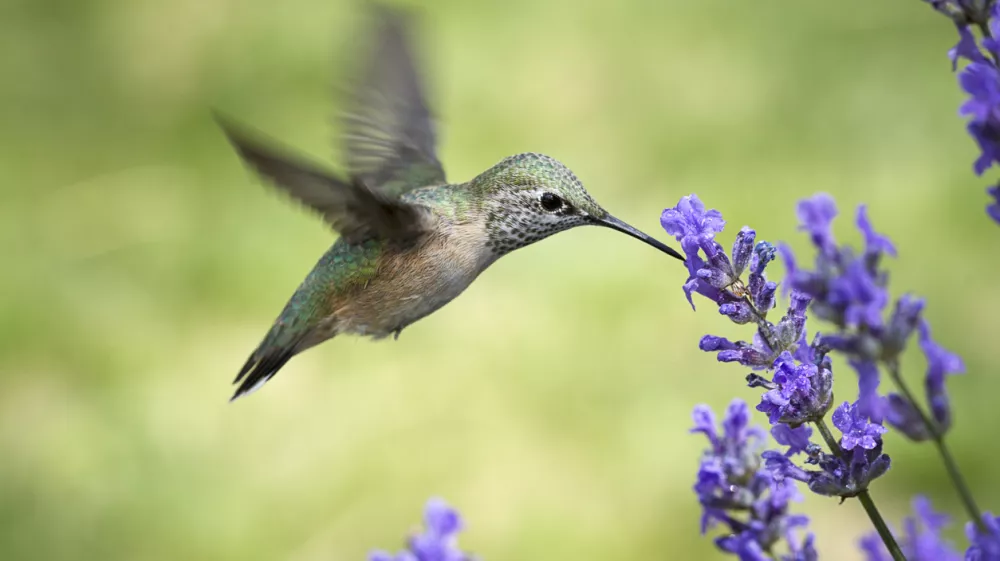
point(615, 224)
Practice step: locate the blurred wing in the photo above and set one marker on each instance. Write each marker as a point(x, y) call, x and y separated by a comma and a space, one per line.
point(354, 210)
point(388, 133)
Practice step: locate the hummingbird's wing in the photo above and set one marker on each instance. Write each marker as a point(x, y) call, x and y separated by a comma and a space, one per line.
point(355, 211)
point(388, 133)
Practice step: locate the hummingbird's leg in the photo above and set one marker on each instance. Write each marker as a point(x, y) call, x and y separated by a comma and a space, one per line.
point(395, 334)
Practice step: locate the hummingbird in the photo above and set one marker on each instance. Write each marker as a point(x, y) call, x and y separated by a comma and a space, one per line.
point(410, 241)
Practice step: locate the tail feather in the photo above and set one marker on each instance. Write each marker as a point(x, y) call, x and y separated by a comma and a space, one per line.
point(262, 365)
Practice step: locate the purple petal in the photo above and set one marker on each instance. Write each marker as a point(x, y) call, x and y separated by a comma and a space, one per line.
point(796, 439)
point(712, 343)
point(993, 209)
point(874, 242)
point(743, 249)
point(869, 405)
point(965, 48)
point(816, 215)
point(440, 518)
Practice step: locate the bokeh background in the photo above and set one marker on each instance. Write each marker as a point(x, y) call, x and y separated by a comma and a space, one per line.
point(551, 401)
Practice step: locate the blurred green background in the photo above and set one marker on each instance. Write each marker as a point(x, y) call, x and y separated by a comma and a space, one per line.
point(551, 401)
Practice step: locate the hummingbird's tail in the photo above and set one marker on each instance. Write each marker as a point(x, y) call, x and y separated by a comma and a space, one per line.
point(262, 365)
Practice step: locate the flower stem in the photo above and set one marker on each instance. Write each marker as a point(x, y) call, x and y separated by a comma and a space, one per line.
point(865, 497)
point(883, 530)
point(949, 461)
point(761, 324)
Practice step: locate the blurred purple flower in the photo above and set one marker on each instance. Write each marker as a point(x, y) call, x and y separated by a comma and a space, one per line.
point(438, 542)
point(816, 216)
point(985, 545)
point(796, 439)
point(940, 363)
point(993, 209)
point(980, 79)
point(921, 540)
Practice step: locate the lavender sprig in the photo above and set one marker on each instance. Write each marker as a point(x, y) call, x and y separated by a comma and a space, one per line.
point(849, 289)
point(736, 491)
point(799, 390)
point(980, 79)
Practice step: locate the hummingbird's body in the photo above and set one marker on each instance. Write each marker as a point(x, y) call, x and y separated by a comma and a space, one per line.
point(378, 287)
point(410, 241)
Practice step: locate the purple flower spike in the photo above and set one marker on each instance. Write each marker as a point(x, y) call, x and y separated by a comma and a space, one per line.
point(736, 491)
point(980, 78)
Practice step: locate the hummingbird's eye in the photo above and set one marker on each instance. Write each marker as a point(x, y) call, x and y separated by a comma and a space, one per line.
point(550, 202)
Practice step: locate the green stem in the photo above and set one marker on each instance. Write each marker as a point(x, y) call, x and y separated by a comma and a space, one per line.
point(883, 530)
point(865, 497)
point(831, 442)
point(949, 461)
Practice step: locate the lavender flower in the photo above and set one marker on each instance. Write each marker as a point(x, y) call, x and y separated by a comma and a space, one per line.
point(795, 438)
point(848, 289)
point(840, 476)
point(798, 393)
point(717, 277)
point(856, 429)
point(980, 79)
point(921, 541)
point(437, 542)
point(731, 481)
point(940, 362)
point(695, 229)
point(903, 415)
point(985, 545)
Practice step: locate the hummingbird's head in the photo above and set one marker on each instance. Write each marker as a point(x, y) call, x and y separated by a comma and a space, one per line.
point(529, 197)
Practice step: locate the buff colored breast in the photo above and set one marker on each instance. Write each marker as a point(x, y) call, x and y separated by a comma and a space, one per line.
point(411, 284)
